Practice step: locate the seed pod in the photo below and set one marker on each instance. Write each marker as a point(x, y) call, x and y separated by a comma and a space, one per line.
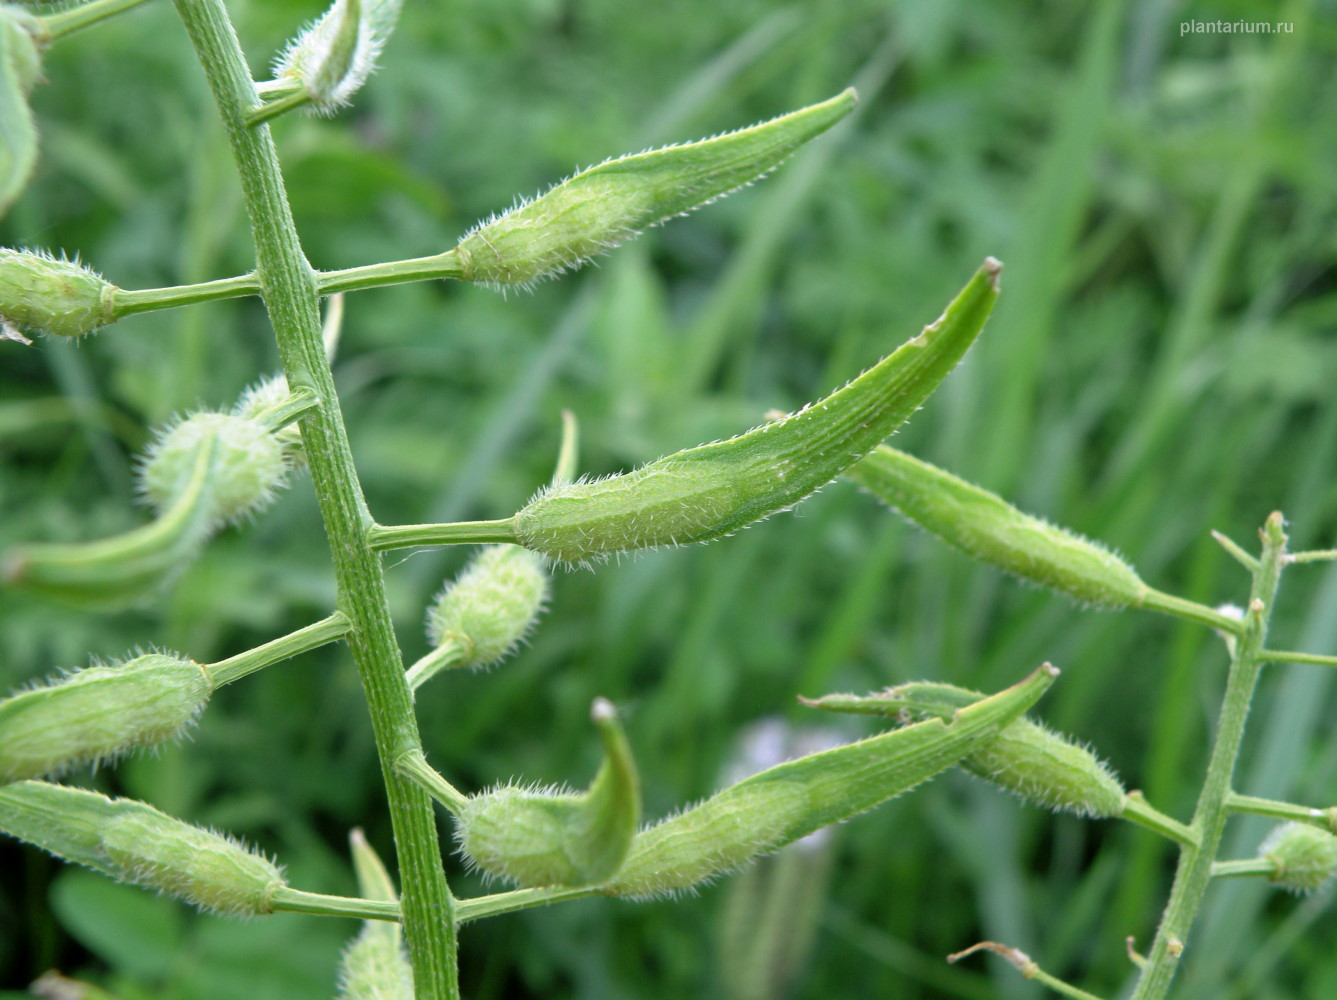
point(607, 204)
point(248, 464)
point(537, 837)
point(332, 59)
point(987, 528)
point(782, 804)
point(1305, 856)
point(133, 842)
point(374, 965)
point(1026, 758)
point(489, 608)
point(20, 66)
point(98, 714)
point(708, 492)
point(262, 399)
point(43, 294)
point(122, 571)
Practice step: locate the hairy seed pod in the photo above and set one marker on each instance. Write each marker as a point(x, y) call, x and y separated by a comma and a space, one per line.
point(133, 842)
point(332, 59)
point(1305, 856)
point(99, 714)
point(489, 608)
point(708, 492)
point(537, 837)
point(374, 965)
point(785, 803)
point(248, 464)
point(259, 401)
point(1026, 758)
point(20, 67)
point(40, 293)
point(607, 204)
point(123, 570)
point(991, 530)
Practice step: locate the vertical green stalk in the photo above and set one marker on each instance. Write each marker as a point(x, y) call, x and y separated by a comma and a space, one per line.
point(1209, 818)
point(290, 292)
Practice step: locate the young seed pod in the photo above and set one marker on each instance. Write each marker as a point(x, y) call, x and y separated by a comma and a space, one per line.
point(43, 294)
point(332, 59)
point(248, 464)
point(785, 803)
point(99, 714)
point(263, 398)
point(538, 837)
point(20, 67)
point(1026, 758)
point(991, 530)
point(121, 571)
point(489, 608)
point(374, 965)
point(1305, 856)
point(607, 204)
point(708, 492)
point(133, 842)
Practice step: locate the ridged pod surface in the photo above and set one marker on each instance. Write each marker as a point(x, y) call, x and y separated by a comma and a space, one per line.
point(133, 842)
point(708, 492)
point(989, 529)
point(99, 714)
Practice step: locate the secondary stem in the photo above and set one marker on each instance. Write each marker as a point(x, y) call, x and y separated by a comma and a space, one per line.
point(292, 296)
point(289, 900)
point(127, 302)
point(59, 25)
point(1194, 871)
point(234, 668)
point(402, 536)
point(442, 265)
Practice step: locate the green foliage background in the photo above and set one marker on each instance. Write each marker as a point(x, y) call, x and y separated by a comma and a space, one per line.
point(1162, 363)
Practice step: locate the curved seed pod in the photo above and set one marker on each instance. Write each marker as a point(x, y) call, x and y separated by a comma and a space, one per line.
point(98, 714)
point(332, 59)
point(1305, 856)
point(782, 804)
point(537, 837)
point(20, 66)
point(121, 571)
point(991, 530)
point(248, 464)
point(374, 965)
point(708, 492)
point(40, 293)
point(133, 842)
point(1026, 758)
point(489, 608)
point(603, 206)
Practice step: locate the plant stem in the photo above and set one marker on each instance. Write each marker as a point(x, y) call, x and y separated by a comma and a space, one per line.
point(1326, 818)
point(1138, 810)
point(447, 655)
point(127, 302)
point(60, 25)
point(1194, 870)
point(234, 668)
point(403, 536)
point(288, 286)
point(1287, 656)
point(1237, 551)
point(1028, 968)
point(277, 106)
point(413, 765)
point(284, 412)
point(519, 899)
point(442, 265)
point(1192, 611)
point(1316, 555)
point(1244, 867)
point(289, 900)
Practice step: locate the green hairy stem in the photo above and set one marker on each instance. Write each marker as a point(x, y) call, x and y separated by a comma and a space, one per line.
point(291, 294)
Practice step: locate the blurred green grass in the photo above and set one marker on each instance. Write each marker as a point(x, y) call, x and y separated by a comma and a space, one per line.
point(1161, 364)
